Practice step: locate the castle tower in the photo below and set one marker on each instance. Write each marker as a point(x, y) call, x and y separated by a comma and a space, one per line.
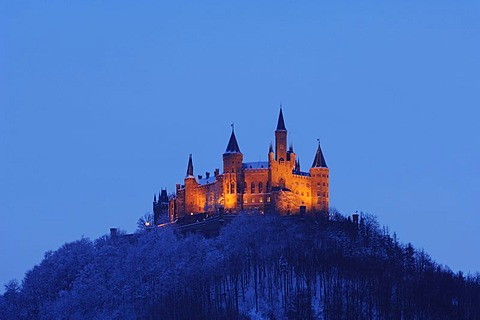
point(281, 139)
point(160, 207)
point(190, 188)
point(319, 173)
point(284, 161)
point(232, 174)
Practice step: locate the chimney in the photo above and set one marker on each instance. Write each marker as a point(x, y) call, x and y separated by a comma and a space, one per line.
point(113, 232)
point(207, 175)
point(199, 177)
point(216, 172)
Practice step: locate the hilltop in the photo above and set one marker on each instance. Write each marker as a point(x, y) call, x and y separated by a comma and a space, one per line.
point(259, 267)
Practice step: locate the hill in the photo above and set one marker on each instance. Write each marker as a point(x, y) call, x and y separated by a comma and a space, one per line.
point(259, 267)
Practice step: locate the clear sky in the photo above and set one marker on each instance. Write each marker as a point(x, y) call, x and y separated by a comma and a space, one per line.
point(101, 103)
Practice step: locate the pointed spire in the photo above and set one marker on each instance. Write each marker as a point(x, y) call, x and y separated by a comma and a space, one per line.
point(190, 166)
point(270, 149)
point(281, 122)
point(155, 197)
point(319, 161)
point(162, 196)
point(297, 165)
point(232, 146)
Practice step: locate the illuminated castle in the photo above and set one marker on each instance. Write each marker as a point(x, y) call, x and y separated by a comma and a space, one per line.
point(276, 185)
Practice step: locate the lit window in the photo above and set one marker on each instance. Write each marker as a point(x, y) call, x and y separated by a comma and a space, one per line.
point(261, 200)
point(268, 199)
point(253, 200)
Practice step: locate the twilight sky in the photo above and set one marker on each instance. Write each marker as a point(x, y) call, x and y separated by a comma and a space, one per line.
point(101, 103)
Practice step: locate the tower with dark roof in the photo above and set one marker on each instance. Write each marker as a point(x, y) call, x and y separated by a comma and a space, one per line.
point(232, 173)
point(280, 138)
point(319, 174)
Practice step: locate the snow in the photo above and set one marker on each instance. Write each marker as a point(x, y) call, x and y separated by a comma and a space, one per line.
point(255, 165)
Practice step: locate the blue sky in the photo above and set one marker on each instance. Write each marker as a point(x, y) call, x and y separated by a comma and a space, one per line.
point(101, 103)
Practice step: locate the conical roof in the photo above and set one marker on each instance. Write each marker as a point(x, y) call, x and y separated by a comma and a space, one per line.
point(281, 122)
point(319, 161)
point(190, 166)
point(232, 146)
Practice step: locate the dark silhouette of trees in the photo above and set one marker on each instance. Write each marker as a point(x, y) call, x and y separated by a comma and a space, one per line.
point(266, 267)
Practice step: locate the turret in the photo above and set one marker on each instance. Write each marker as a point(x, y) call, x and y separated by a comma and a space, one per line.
point(232, 158)
point(190, 188)
point(281, 139)
point(271, 155)
point(190, 166)
point(320, 182)
point(232, 173)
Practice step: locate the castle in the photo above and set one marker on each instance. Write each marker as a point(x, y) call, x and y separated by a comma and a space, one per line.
point(276, 185)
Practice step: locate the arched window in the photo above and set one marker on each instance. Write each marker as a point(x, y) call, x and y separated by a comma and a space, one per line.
point(282, 183)
point(252, 187)
point(260, 187)
point(232, 188)
point(281, 160)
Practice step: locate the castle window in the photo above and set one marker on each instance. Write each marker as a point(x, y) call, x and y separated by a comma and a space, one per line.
point(324, 194)
point(318, 194)
point(324, 184)
point(260, 187)
point(233, 169)
point(282, 183)
point(302, 194)
point(232, 188)
point(318, 184)
point(261, 199)
point(252, 187)
point(253, 200)
point(268, 199)
point(281, 160)
point(245, 201)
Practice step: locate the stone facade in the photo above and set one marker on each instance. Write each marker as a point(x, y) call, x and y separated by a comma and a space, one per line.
point(276, 185)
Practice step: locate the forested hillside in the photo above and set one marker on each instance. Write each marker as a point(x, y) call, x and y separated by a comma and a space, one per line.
point(259, 267)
